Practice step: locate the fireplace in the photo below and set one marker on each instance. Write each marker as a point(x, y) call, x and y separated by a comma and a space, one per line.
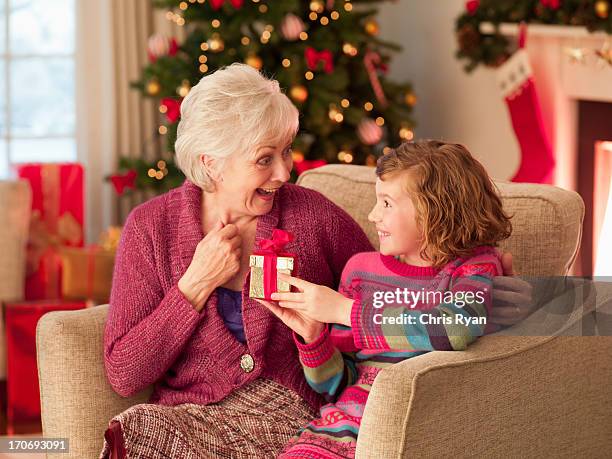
point(576, 100)
point(594, 175)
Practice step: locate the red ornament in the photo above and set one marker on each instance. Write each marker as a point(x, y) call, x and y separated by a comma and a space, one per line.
point(552, 4)
point(173, 108)
point(369, 132)
point(472, 5)
point(313, 57)
point(291, 27)
point(121, 182)
point(307, 164)
point(160, 45)
point(216, 4)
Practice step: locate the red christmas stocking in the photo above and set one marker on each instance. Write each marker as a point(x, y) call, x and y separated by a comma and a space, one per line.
point(515, 78)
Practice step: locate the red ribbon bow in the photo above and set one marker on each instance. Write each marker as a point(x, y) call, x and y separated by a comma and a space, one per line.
point(173, 108)
point(280, 238)
point(313, 57)
point(216, 4)
point(127, 180)
point(552, 4)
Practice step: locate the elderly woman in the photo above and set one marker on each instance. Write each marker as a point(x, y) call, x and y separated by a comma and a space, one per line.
point(226, 374)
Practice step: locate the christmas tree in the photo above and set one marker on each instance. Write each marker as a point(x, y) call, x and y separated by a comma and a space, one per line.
point(325, 54)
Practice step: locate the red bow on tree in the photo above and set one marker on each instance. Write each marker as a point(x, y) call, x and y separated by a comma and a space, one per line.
point(121, 182)
point(173, 108)
point(313, 57)
point(216, 4)
point(472, 5)
point(307, 164)
point(552, 4)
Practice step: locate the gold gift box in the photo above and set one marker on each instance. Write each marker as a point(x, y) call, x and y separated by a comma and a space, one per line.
point(256, 287)
point(87, 273)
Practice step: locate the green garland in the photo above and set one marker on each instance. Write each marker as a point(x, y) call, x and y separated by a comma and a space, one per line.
point(492, 49)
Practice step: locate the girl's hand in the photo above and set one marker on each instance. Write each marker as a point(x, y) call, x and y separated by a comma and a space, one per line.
point(315, 301)
point(307, 328)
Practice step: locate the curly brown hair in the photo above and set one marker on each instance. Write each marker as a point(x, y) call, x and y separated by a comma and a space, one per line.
point(457, 205)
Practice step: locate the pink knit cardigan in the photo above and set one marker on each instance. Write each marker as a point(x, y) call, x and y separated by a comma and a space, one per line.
point(154, 335)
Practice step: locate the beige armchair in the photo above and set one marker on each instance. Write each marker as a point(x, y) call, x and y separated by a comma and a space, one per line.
point(518, 396)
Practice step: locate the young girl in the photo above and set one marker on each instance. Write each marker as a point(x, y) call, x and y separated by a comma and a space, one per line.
point(438, 218)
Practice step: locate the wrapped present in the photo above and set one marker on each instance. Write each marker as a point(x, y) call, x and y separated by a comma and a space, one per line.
point(22, 391)
point(56, 221)
point(87, 273)
point(267, 262)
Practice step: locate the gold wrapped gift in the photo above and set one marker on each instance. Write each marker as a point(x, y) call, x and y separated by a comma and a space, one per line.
point(256, 287)
point(87, 273)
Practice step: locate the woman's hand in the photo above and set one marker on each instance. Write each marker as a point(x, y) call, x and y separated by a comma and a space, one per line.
point(215, 261)
point(304, 326)
point(512, 296)
point(315, 301)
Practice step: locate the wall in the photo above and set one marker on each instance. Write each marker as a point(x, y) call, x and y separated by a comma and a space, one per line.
point(452, 104)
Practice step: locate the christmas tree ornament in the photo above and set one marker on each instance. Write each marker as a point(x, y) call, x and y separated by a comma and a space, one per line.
point(410, 99)
point(153, 87)
point(291, 27)
point(217, 4)
point(160, 45)
point(215, 43)
point(317, 6)
point(298, 93)
point(371, 161)
point(184, 88)
point(254, 61)
point(515, 79)
point(371, 27)
point(314, 57)
point(369, 132)
point(345, 155)
point(602, 9)
point(370, 61)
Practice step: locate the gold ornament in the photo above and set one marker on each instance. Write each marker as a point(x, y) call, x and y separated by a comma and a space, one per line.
point(371, 161)
point(215, 43)
point(184, 88)
point(317, 6)
point(371, 27)
point(254, 61)
point(410, 99)
point(602, 9)
point(298, 93)
point(153, 87)
point(297, 156)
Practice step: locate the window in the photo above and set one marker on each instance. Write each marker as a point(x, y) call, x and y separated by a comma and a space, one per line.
point(37, 82)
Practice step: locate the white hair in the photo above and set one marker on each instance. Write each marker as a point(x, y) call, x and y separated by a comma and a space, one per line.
point(233, 110)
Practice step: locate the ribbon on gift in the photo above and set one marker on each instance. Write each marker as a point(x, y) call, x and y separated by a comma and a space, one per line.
point(271, 250)
point(50, 230)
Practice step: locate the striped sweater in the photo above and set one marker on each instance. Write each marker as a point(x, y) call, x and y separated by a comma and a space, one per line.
point(426, 309)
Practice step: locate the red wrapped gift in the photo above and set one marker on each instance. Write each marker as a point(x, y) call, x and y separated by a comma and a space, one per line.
point(57, 220)
point(22, 393)
point(267, 262)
